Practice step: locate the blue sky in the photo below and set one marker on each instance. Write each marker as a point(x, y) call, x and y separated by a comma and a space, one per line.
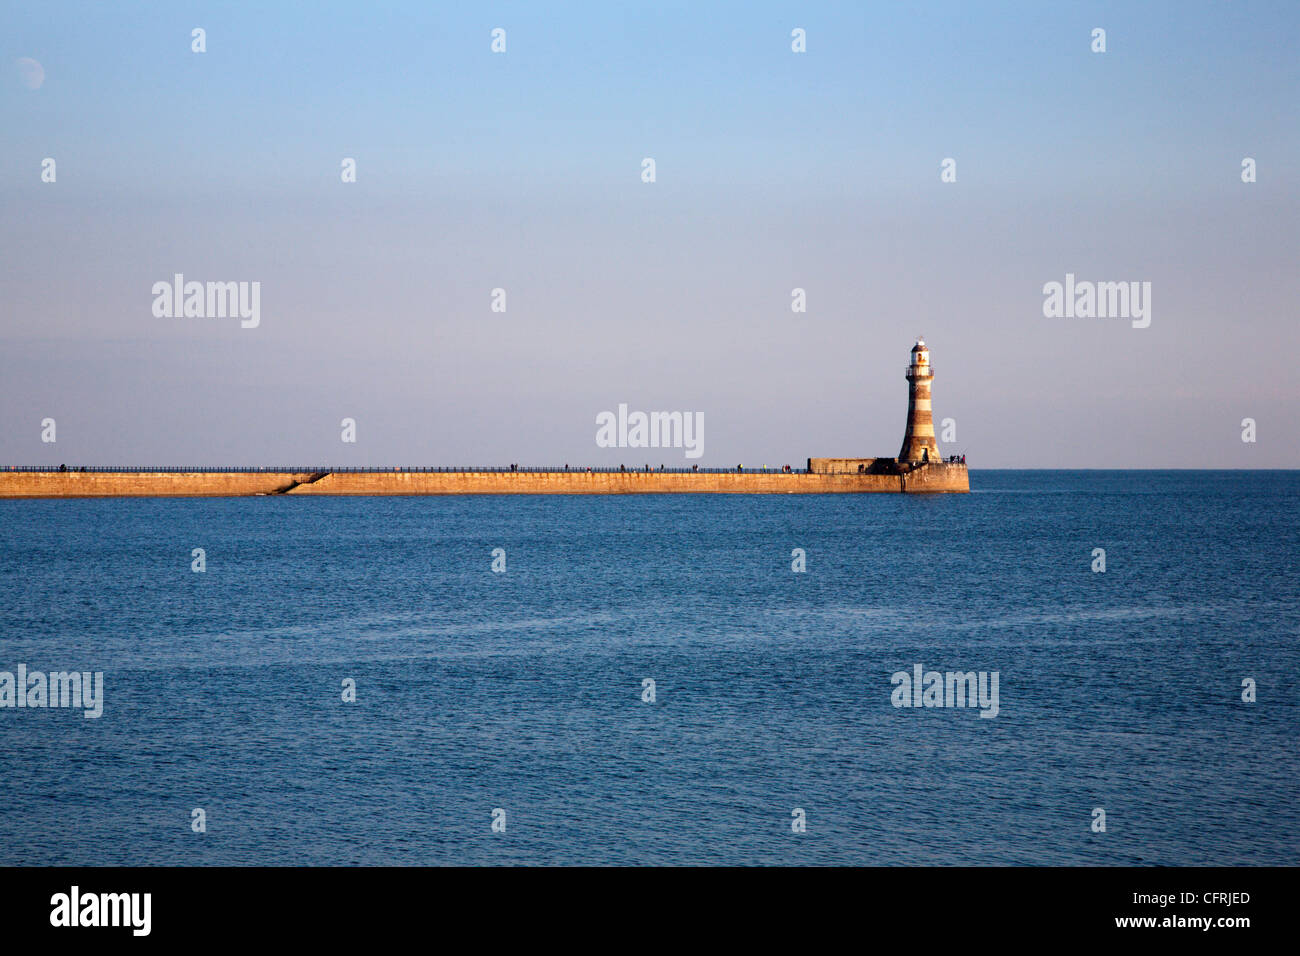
point(775, 170)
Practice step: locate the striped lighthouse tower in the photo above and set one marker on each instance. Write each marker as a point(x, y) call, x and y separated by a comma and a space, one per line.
point(918, 439)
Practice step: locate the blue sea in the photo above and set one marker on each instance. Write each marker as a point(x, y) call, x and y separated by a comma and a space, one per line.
point(524, 691)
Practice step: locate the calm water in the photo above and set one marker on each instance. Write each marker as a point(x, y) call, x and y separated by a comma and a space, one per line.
point(522, 690)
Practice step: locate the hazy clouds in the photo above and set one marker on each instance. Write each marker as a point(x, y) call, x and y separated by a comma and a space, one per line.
point(774, 171)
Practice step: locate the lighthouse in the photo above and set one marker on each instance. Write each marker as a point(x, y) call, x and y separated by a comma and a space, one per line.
point(918, 439)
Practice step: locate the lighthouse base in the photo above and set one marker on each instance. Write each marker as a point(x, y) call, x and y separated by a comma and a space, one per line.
point(911, 476)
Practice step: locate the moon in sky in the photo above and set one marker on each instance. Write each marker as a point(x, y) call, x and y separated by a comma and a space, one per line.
point(31, 73)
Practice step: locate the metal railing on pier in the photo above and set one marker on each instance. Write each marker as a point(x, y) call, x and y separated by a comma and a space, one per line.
point(390, 469)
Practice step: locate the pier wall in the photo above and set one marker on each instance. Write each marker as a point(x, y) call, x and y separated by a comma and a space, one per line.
point(73, 484)
point(845, 466)
point(938, 477)
point(131, 484)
